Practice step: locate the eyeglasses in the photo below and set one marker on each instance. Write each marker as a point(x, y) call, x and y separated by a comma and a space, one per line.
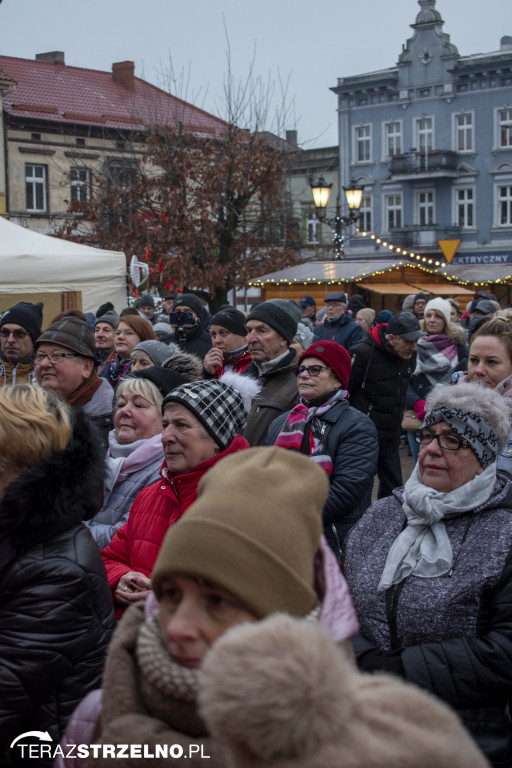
point(124, 333)
point(54, 357)
point(19, 335)
point(334, 304)
point(312, 370)
point(447, 440)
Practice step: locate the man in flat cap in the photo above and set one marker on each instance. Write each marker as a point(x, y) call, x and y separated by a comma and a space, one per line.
point(338, 325)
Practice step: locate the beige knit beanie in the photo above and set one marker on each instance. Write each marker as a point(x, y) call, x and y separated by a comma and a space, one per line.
point(254, 531)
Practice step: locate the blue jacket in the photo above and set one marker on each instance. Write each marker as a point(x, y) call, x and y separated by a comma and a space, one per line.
point(344, 330)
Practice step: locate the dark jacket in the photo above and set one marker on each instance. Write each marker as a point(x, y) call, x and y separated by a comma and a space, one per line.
point(378, 384)
point(452, 634)
point(420, 386)
point(56, 611)
point(344, 330)
point(350, 439)
point(197, 341)
point(279, 394)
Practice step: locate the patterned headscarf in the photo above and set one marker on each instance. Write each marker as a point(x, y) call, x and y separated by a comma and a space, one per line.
point(470, 427)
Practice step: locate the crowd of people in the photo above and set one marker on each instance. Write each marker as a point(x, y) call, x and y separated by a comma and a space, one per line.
point(191, 559)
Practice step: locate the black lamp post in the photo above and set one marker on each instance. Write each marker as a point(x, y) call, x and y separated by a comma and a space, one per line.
point(321, 194)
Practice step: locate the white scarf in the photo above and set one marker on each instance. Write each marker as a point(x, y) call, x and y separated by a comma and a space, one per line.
point(423, 547)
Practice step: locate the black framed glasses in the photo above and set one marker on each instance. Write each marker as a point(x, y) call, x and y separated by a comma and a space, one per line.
point(447, 440)
point(53, 357)
point(19, 335)
point(312, 370)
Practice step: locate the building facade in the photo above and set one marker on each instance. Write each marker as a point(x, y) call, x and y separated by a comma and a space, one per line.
point(431, 140)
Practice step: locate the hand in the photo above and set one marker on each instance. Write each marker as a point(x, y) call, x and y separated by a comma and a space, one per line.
point(132, 587)
point(214, 359)
point(419, 409)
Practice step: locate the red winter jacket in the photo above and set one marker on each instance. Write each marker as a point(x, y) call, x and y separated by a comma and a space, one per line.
point(136, 544)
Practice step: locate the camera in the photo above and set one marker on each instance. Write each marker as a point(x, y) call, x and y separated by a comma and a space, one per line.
point(181, 318)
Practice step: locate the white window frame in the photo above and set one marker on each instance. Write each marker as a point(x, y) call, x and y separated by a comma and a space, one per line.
point(427, 205)
point(469, 146)
point(500, 198)
point(366, 213)
point(312, 228)
point(359, 141)
point(80, 183)
point(467, 203)
point(506, 122)
point(37, 182)
point(419, 132)
point(396, 139)
point(393, 206)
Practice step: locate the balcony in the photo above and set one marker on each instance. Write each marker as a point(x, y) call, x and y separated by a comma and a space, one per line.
point(436, 163)
point(422, 238)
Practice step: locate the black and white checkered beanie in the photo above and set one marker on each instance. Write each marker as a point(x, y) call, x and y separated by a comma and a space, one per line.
point(219, 408)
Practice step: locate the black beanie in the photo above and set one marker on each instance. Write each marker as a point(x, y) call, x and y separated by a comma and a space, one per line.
point(104, 308)
point(283, 315)
point(232, 320)
point(29, 316)
point(189, 300)
point(164, 379)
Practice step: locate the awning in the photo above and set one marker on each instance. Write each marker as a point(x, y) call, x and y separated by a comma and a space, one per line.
point(437, 289)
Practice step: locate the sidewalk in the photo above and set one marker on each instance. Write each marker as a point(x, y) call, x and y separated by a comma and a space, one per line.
point(407, 467)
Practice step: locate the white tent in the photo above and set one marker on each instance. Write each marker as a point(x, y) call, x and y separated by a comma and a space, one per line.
point(31, 263)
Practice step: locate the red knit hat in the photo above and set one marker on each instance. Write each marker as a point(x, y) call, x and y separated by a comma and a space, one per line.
point(334, 356)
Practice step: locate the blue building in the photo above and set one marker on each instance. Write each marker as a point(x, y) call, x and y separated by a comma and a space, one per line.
point(431, 140)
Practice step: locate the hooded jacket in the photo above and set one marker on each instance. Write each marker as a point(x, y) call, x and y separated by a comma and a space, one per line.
point(56, 611)
point(378, 384)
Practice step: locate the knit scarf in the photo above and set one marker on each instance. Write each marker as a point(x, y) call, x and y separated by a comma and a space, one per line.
point(293, 430)
point(85, 391)
point(116, 370)
point(437, 358)
point(423, 548)
point(123, 460)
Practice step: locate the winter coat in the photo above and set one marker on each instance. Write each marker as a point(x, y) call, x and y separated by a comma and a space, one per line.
point(118, 499)
point(136, 544)
point(350, 439)
point(56, 611)
point(278, 394)
point(453, 633)
point(504, 462)
point(21, 373)
point(197, 341)
point(99, 410)
point(344, 330)
point(420, 386)
point(378, 384)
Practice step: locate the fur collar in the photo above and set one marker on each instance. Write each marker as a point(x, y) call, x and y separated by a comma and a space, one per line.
point(58, 494)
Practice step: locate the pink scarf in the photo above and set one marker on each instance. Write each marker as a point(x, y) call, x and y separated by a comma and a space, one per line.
point(293, 430)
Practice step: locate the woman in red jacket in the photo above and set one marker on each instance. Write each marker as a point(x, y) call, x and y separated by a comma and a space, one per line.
point(202, 422)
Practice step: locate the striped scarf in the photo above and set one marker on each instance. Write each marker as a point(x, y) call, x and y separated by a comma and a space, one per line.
point(293, 430)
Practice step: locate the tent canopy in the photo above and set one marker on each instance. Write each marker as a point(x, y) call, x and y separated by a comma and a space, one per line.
point(31, 263)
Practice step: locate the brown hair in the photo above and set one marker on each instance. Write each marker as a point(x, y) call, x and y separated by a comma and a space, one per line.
point(501, 328)
point(142, 327)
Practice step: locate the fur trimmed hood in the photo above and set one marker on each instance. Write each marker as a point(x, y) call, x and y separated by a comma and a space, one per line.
point(281, 694)
point(58, 494)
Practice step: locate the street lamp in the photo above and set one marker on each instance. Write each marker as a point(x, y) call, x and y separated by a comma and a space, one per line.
point(321, 194)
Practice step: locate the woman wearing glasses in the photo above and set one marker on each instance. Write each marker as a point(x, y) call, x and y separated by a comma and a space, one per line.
point(430, 568)
point(340, 439)
point(131, 330)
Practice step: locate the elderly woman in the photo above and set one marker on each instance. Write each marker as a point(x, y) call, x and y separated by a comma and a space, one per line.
point(135, 452)
point(148, 354)
point(430, 568)
point(202, 424)
point(132, 329)
point(56, 612)
point(490, 365)
point(365, 317)
point(342, 440)
point(438, 356)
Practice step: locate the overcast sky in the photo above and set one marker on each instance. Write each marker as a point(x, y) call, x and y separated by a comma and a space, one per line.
point(303, 44)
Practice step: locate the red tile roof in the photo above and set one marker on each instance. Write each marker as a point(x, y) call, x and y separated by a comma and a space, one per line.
point(58, 93)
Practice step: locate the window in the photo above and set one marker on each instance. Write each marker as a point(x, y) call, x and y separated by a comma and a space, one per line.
point(365, 214)
point(393, 211)
point(505, 205)
point(505, 127)
point(464, 132)
point(393, 138)
point(80, 185)
point(122, 174)
point(35, 136)
point(312, 229)
point(425, 208)
point(36, 188)
point(424, 134)
point(465, 207)
point(363, 151)
point(80, 142)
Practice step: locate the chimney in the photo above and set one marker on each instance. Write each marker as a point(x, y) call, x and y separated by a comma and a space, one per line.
point(123, 73)
point(55, 57)
point(291, 138)
point(506, 42)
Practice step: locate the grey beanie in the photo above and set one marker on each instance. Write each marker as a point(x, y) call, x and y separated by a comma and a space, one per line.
point(111, 317)
point(304, 336)
point(147, 301)
point(283, 315)
point(156, 350)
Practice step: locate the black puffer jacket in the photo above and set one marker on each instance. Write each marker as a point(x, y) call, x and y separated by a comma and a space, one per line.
point(452, 634)
point(56, 611)
point(197, 341)
point(350, 439)
point(378, 384)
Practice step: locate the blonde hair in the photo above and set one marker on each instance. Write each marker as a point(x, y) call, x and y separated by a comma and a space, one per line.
point(34, 423)
point(143, 388)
